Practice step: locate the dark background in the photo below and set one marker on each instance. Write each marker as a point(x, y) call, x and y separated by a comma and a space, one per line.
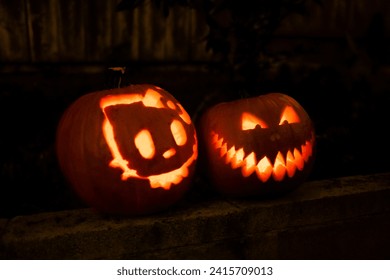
point(332, 56)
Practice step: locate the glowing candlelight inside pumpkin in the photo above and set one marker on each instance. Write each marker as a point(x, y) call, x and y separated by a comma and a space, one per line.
point(144, 140)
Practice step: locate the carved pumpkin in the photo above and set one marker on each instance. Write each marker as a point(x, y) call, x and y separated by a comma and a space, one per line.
point(130, 150)
point(258, 146)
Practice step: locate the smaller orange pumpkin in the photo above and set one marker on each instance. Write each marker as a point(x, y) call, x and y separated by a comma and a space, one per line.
point(129, 151)
point(258, 146)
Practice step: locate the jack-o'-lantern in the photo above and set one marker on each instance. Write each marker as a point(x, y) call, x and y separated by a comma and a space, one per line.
point(261, 145)
point(129, 150)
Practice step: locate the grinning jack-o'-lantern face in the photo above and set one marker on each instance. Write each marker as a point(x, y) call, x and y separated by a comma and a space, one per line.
point(258, 145)
point(128, 151)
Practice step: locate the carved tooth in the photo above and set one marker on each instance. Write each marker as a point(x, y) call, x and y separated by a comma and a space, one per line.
point(249, 165)
point(219, 142)
point(230, 155)
point(264, 169)
point(290, 164)
point(279, 169)
point(238, 158)
point(223, 150)
point(299, 162)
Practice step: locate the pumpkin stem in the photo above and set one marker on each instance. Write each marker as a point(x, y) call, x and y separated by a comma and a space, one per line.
point(115, 76)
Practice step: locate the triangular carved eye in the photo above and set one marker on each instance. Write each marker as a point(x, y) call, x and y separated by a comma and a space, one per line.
point(289, 116)
point(249, 121)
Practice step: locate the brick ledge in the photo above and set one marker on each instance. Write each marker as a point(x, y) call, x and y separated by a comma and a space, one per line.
point(339, 218)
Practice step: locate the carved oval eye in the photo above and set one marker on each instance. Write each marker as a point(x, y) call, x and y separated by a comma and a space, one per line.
point(178, 132)
point(144, 143)
point(249, 121)
point(289, 116)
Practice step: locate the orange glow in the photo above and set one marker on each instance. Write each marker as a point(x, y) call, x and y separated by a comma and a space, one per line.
point(249, 165)
point(179, 133)
point(289, 116)
point(290, 164)
point(279, 169)
point(144, 143)
point(151, 99)
point(238, 158)
point(118, 161)
point(169, 153)
point(298, 159)
point(223, 149)
point(264, 169)
point(171, 105)
point(165, 180)
point(249, 121)
point(282, 164)
point(184, 115)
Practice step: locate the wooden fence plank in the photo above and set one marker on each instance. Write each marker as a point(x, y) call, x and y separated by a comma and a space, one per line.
point(42, 23)
point(71, 30)
point(93, 31)
point(14, 44)
point(335, 18)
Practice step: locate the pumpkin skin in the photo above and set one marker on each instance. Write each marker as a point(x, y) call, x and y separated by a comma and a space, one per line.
point(258, 146)
point(127, 151)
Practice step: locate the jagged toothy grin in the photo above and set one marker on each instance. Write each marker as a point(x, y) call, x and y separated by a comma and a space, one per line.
point(264, 168)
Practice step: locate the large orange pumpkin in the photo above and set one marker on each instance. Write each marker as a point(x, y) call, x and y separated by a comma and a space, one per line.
point(257, 146)
point(129, 150)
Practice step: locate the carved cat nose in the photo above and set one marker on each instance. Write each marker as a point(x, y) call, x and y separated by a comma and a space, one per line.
point(169, 153)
